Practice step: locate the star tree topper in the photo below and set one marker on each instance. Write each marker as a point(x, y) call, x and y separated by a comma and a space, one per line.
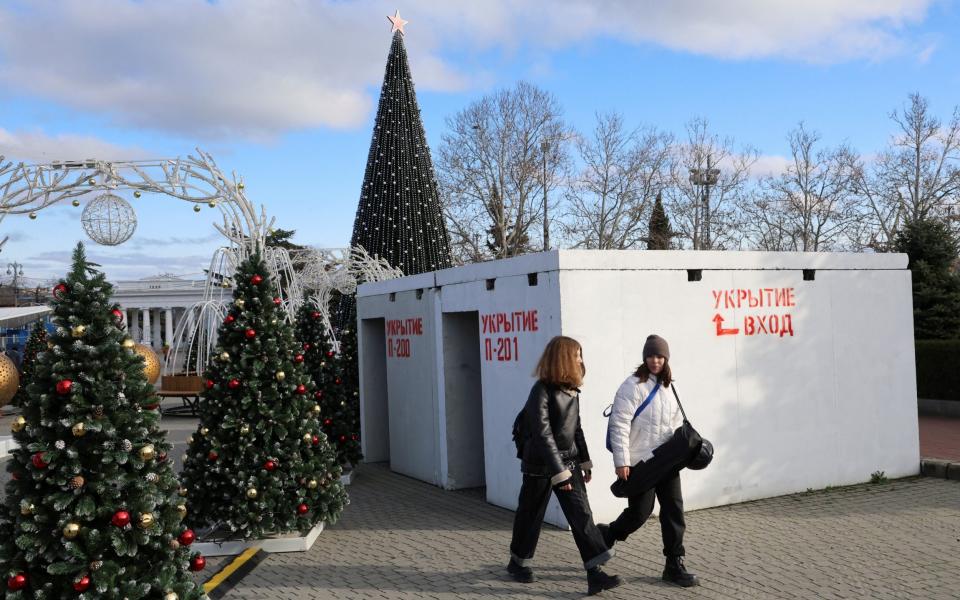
point(397, 22)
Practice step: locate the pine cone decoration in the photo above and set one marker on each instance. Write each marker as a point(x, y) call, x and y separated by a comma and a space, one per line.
point(98, 411)
point(76, 482)
point(95, 565)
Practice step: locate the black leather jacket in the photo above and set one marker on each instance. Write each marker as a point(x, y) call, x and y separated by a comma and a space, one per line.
point(555, 442)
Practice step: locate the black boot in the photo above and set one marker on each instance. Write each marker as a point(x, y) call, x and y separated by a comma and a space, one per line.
point(608, 537)
point(597, 581)
point(520, 574)
point(676, 572)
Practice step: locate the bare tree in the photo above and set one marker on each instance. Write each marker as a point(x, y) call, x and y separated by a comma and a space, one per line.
point(495, 160)
point(709, 180)
point(916, 177)
point(609, 200)
point(811, 205)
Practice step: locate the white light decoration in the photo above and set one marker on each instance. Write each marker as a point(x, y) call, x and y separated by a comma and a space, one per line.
point(109, 220)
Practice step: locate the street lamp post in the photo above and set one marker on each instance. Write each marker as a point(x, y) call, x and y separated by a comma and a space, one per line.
point(544, 146)
point(15, 269)
point(705, 178)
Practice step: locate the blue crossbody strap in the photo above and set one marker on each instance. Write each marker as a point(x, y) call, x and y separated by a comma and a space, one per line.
point(640, 408)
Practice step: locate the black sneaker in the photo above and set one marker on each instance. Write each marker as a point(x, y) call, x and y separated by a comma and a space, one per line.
point(676, 572)
point(597, 581)
point(520, 574)
point(608, 538)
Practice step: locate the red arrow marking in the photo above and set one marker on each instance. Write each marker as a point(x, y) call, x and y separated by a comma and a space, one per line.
point(720, 330)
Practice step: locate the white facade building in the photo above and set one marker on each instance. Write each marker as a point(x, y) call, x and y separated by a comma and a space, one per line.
point(799, 367)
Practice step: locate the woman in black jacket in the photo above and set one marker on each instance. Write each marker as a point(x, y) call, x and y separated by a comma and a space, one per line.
point(555, 458)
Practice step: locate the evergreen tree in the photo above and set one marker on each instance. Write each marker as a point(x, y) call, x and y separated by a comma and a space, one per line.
point(36, 343)
point(932, 250)
point(660, 231)
point(340, 420)
point(91, 510)
point(259, 462)
point(399, 216)
point(350, 412)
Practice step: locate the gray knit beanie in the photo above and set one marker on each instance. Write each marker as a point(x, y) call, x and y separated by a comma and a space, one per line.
point(656, 346)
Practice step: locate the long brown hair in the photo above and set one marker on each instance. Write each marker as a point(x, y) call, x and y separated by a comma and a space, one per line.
point(643, 373)
point(558, 364)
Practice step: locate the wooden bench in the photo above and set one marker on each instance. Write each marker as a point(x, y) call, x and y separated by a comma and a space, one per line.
point(185, 387)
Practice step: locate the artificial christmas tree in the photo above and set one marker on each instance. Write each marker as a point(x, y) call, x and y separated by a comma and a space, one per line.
point(339, 412)
point(399, 217)
point(259, 463)
point(660, 232)
point(92, 509)
point(36, 343)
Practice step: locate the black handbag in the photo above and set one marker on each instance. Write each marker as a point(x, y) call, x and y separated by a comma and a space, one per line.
point(685, 448)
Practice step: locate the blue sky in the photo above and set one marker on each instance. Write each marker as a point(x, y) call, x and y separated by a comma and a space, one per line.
point(284, 92)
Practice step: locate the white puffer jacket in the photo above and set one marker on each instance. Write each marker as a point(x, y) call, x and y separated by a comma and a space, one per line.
point(634, 442)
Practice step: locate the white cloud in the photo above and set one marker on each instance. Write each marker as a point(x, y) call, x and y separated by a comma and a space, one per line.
point(257, 69)
point(769, 164)
point(37, 146)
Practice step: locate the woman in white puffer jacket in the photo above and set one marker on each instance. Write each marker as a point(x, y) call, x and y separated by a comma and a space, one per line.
point(633, 437)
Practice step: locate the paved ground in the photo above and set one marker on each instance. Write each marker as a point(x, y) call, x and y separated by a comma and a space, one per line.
point(404, 539)
point(940, 438)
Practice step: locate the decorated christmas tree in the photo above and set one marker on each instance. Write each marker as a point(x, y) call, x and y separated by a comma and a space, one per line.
point(92, 509)
point(36, 343)
point(339, 417)
point(399, 217)
point(259, 462)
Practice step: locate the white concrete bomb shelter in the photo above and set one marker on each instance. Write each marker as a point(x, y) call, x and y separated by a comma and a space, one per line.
point(799, 367)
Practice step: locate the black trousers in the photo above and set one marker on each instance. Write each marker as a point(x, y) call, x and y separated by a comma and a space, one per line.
point(639, 508)
point(534, 496)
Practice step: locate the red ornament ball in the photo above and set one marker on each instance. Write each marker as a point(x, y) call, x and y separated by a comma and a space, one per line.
point(64, 386)
point(302, 509)
point(151, 406)
point(121, 518)
point(60, 288)
point(256, 279)
point(187, 537)
point(306, 347)
point(270, 465)
point(338, 381)
point(343, 439)
point(328, 422)
point(316, 440)
point(298, 358)
point(301, 389)
point(198, 563)
point(162, 457)
point(17, 582)
point(277, 301)
point(81, 584)
point(329, 353)
point(233, 384)
point(210, 384)
point(213, 456)
point(250, 333)
point(117, 315)
point(315, 314)
point(354, 437)
point(38, 460)
point(318, 394)
point(229, 319)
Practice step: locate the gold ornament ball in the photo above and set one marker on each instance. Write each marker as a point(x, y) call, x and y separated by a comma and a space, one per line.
point(307, 438)
point(240, 185)
point(224, 356)
point(18, 424)
point(204, 431)
point(128, 344)
point(196, 208)
point(33, 216)
point(240, 302)
point(244, 429)
point(225, 285)
point(252, 493)
point(145, 521)
point(137, 194)
point(171, 596)
point(312, 484)
point(79, 429)
point(151, 363)
point(78, 331)
point(148, 452)
point(92, 181)
point(27, 509)
point(281, 375)
point(71, 530)
point(182, 510)
point(212, 204)
point(75, 203)
point(9, 379)
point(183, 492)
point(316, 409)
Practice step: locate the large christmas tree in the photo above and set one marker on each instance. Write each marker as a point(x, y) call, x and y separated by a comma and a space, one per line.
point(399, 217)
point(259, 462)
point(92, 510)
point(340, 420)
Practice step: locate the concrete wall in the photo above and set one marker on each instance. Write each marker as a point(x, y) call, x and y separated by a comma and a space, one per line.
point(827, 403)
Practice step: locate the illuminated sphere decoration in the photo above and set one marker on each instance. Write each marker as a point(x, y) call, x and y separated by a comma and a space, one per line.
point(9, 379)
point(151, 366)
point(109, 220)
